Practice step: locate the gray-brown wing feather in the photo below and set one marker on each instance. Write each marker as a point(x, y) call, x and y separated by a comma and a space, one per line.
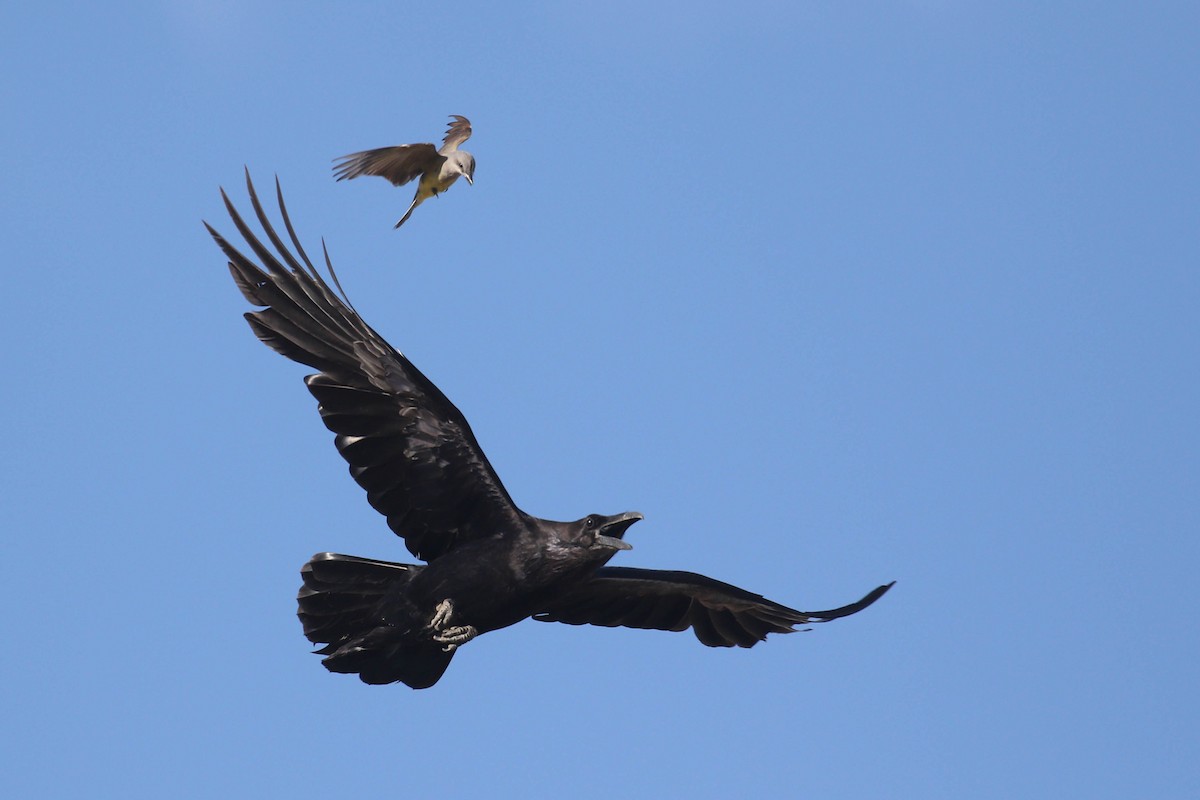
point(399, 164)
point(406, 443)
point(457, 133)
point(721, 615)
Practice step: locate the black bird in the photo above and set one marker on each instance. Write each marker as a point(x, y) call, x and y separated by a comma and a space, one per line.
point(489, 564)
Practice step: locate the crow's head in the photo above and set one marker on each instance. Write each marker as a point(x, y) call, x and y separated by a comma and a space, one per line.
point(598, 532)
point(584, 544)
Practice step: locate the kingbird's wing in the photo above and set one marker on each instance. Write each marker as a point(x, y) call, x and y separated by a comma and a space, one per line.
point(458, 132)
point(399, 164)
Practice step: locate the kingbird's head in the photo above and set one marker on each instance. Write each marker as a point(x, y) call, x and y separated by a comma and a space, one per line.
point(464, 164)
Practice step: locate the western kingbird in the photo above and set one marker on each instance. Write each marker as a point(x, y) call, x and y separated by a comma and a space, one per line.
point(438, 168)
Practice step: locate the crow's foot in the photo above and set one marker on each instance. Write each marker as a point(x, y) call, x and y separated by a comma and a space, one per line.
point(453, 637)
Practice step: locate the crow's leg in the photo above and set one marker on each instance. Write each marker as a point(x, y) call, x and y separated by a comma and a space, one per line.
point(441, 615)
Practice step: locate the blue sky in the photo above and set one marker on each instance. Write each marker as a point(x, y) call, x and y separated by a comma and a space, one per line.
point(833, 293)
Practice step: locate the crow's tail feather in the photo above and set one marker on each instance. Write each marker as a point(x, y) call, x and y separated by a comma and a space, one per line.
point(341, 604)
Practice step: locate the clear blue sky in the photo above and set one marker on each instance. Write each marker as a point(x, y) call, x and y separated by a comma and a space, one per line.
point(833, 293)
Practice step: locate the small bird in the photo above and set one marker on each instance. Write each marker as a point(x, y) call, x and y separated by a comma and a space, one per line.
point(437, 168)
point(488, 563)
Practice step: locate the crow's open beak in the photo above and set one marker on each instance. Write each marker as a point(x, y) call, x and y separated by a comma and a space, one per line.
point(612, 531)
point(615, 544)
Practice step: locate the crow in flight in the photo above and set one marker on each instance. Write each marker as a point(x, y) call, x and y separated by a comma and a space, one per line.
point(438, 168)
point(488, 563)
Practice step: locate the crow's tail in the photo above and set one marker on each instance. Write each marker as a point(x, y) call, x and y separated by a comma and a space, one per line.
point(342, 606)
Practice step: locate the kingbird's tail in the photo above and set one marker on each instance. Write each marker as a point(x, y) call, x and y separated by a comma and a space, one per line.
point(416, 202)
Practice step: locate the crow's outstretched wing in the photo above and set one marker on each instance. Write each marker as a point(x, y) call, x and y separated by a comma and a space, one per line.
point(719, 614)
point(406, 444)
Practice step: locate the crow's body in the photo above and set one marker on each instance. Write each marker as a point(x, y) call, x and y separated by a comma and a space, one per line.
point(490, 564)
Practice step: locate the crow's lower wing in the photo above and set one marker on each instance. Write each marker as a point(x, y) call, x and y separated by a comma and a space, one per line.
point(719, 614)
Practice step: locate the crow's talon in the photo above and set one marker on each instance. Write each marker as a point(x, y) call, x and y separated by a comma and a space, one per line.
point(453, 637)
point(441, 615)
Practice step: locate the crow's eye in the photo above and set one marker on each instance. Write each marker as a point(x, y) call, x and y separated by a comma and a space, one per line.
point(590, 523)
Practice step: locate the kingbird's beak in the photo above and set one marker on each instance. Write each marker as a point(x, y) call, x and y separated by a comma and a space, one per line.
point(468, 177)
